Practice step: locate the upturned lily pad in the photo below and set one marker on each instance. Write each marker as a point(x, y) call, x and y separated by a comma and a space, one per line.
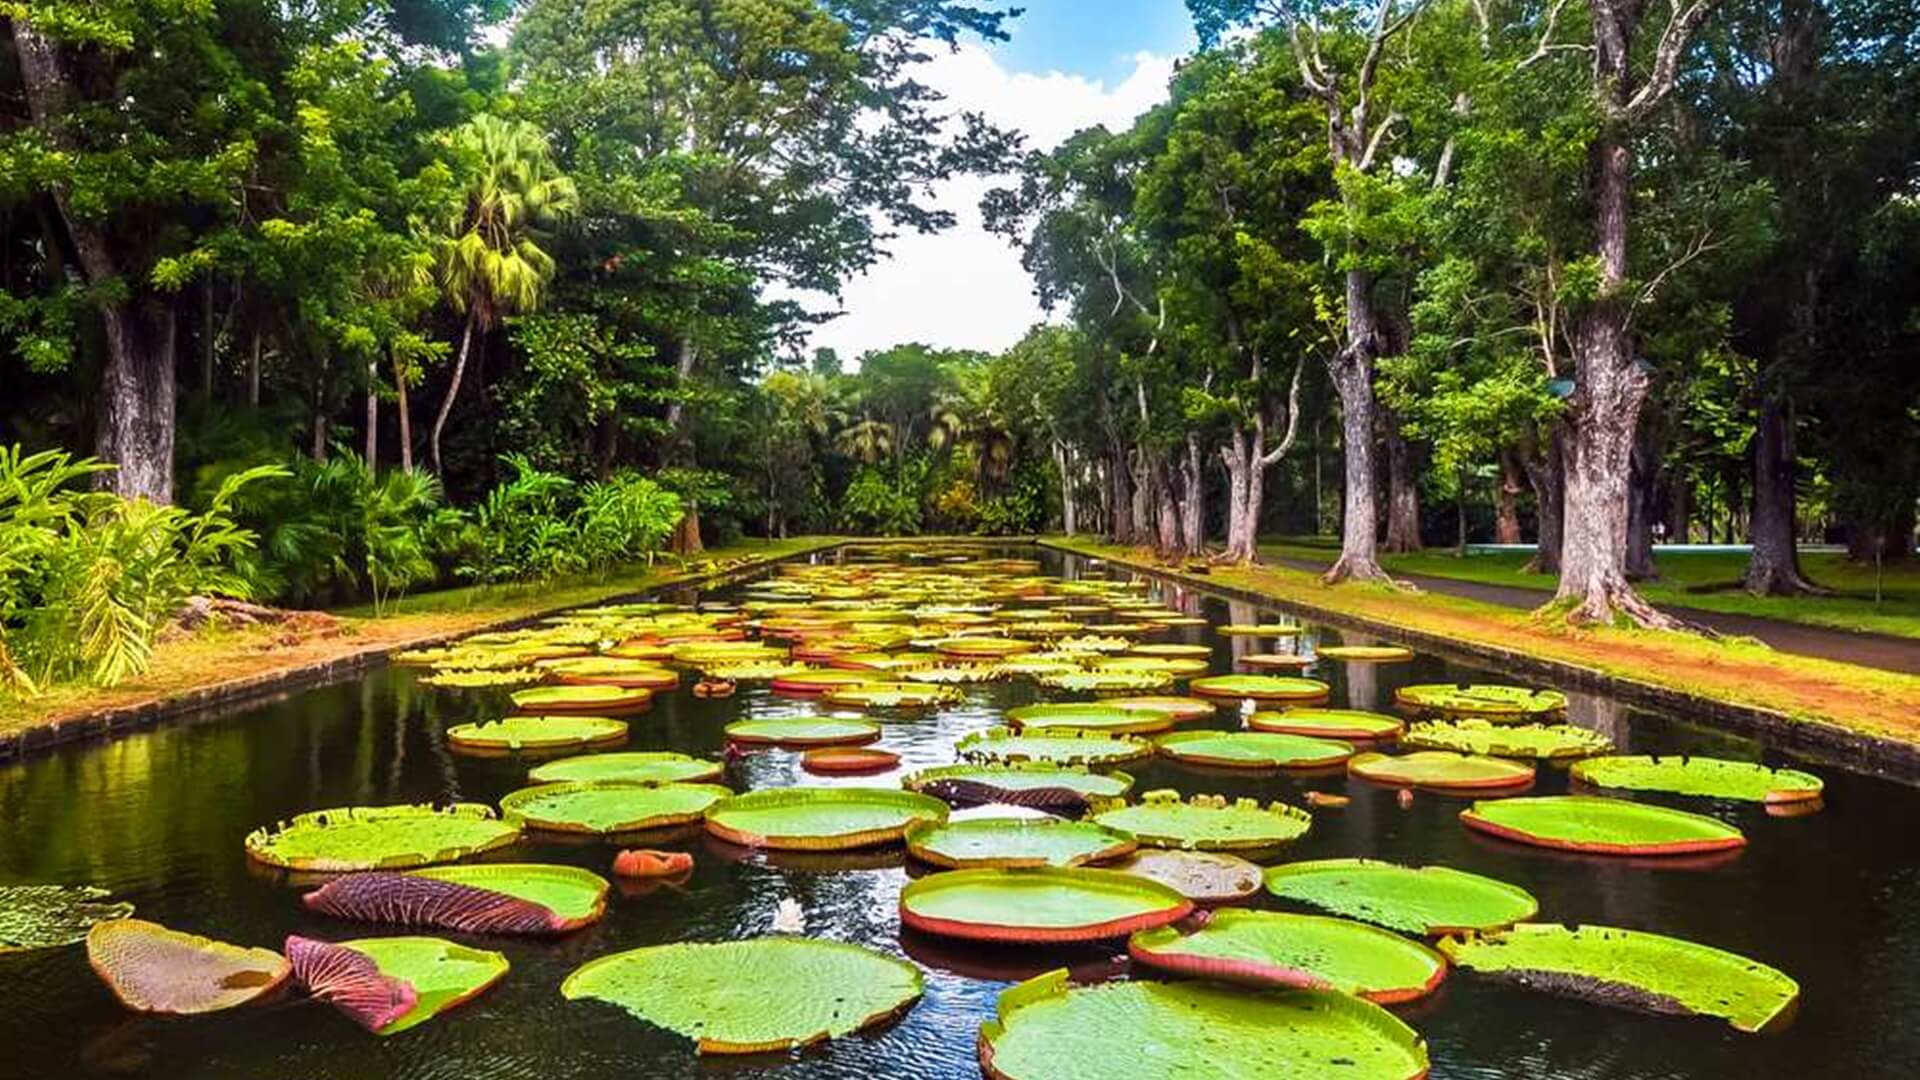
point(1180, 708)
point(1006, 781)
point(153, 969)
point(1441, 770)
point(536, 733)
point(634, 767)
point(488, 898)
point(820, 818)
point(1043, 906)
point(1008, 843)
point(1259, 687)
point(582, 699)
point(1204, 877)
point(804, 731)
point(439, 974)
point(50, 916)
point(894, 695)
point(1058, 747)
point(1252, 749)
point(1630, 968)
point(380, 837)
point(1375, 654)
point(1427, 900)
point(1283, 949)
point(1555, 742)
point(1328, 723)
point(609, 807)
point(753, 996)
point(1105, 682)
point(1207, 822)
point(1712, 777)
point(848, 759)
point(1048, 1029)
point(1602, 825)
point(1490, 700)
point(1087, 716)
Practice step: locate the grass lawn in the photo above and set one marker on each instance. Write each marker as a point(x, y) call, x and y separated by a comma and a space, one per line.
point(1707, 580)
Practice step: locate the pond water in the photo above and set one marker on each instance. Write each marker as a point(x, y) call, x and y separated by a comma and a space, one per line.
point(1832, 899)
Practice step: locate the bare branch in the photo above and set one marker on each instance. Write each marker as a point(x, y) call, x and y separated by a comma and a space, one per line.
point(1373, 144)
point(1313, 84)
point(1701, 244)
point(1273, 456)
point(1546, 46)
point(1666, 57)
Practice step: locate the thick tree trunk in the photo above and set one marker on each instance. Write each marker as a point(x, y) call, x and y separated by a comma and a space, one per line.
point(1403, 497)
point(1506, 500)
point(1193, 508)
point(453, 390)
point(1119, 496)
point(403, 416)
point(1774, 567)
point(1547, 474)
point(1352, 372)
point(1239, 510)
point(1640, 492)
point(1166, 511)
point(1067, 508)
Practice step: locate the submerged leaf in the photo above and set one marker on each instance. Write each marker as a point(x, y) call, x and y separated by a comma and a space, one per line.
point(49, 916)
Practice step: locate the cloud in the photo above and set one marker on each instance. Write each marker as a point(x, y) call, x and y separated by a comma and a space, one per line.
point(964, 287)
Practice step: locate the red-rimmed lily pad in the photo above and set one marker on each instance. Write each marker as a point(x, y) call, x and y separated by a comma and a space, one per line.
point(1087, 716)
point(1544, 742)
point(1208, 822)
point(1366, 654)
point(1048, 1029)
point(1061, 747)
point(515, 733)
point(818, 681)
point(1204, 877)
point(1041, 906)
point(848, 759)
point(151, 968)
point(612, 671)
point(1632, 969)
point(1490, 700)
point(1602, 826)
point(820, 818)
point(1264, 630)
point(1426, 900)
point(434, 973)
point(609, 807)
point(590, 699)
point(1345, 724)
point(1260, 687)
point(753, 996)
point(1007, 843)
point(894, 695)
point(804, 731)
point(1705, 776)
point(1180, 708)
point(1283, 949)
point(50, 916)
point(487, 898)
point(631, 766)
point(1252, 749)
point(380, 837)
point(1275, 661)
point(1441, 770)
point(982, 648)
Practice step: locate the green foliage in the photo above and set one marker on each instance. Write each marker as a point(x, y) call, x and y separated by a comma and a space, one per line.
point(540, 524)
point(881, 503)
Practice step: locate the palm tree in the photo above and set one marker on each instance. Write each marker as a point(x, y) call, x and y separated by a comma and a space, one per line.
point(491, 264)
point(869, 441)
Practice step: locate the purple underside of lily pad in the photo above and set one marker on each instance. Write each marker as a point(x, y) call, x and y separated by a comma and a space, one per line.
point(409, 900)
point(349, 981)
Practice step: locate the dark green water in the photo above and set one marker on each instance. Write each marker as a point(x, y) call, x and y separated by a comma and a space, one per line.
point(1832, 899)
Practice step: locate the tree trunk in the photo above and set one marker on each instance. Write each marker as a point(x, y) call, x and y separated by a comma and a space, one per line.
point(1067, 508)
point(1352, 372)
point(1239, 473)
point(401, 414)
point(253, 373)
point(1547, 474)
point(1774, 567)
point(1166, 511)
point(453, 390)
point(1403, 497)
point(1119, 496)
point(373, 413)
point(689, 355)
point(1679, 508)
point(1193, 509)
point(1506, 500)
point(1640, 491)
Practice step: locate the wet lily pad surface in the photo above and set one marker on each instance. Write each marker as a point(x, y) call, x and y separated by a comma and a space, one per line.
point(1538, 741)
point(1712, 777)
point(1050, 906)
point(1601, 825)
point(1441, 770)
point(603, 807)
point(820, 818)
point(1204, 823)
point(1015, 842)
point(1253, 749)
point(1427, 900)
point(633, 766)
point(49, 916)
point(1284, 949)
point(380, 837)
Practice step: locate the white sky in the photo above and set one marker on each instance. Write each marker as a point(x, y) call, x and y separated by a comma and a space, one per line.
point(964, 287)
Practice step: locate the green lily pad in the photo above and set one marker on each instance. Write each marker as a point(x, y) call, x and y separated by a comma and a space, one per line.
point(1252, 749)
point(1376, 654)
point(894, 695)
point(1180, 667)
point(1602, 825)
point(1489, 700)
point(804, 731)
point(536, 733)
point(1713, 777)
point(1015, 842)
point(1631, 968)
point(1538, 741)
point(485, 898)
point(821, 818)
point(1026, 776)
point(1207, 822)
point(634, 767)
point(1105, 682)
point(1260, 687)
point(1174, 650)
point(1064, 747)
point(1427, 900)
point(1180, 708)
point(1258, 630)
point(587, 698)
point(1283, 949)
point(443, 974)
point(1043, 906)
point(1047, 1029)
point(606, 807)
point(380, 837)
point(982, 648)
point(1441, 770)
point(50, 916)
point(1327, 723)
point(753, 996)
point(1086, 716)
point(482, 679)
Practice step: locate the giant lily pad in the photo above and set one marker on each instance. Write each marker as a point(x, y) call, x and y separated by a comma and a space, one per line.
point(479, 680)
point(380, 837)
point(1204, 877)
point(1048, 906)
point(982, 648)
point(1047, 1029)
point(1441, 770)
point(1015, 842)
point(1713, 777)
point(1207, 822)
point(1259, 630)
point(1428, 900)
point(436, 974)
point(820, 819)
point(1180, 667)
point(1033, 784)
point(894, 695)
point(1490, 700)
point(608, 807)
point(1252, 749)
point(1058, 747)
point(153, 969)
point(1630, 968)
point(612, 671)
point(1602, 825)
point(1541, 741)
point(1285, 661)
point(753, 996)
point(488, 898)
point(536, 733)
point(804, 731)
point(1105, 682)
point(1174, 650)
point(49, 916)
point(1260, 687)
point(634, 767)
point(817, 681)
point(1087, 716)
point(1367, 654)
point(1283, 949)
point(1180, 708)
point(590, 699)
point(1327, 723)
